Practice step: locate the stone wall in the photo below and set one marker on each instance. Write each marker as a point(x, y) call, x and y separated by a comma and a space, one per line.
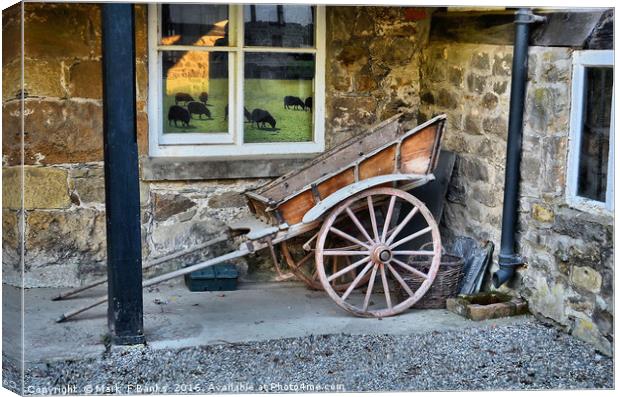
point(372, 73)
point(568, 279)
point(373, 65)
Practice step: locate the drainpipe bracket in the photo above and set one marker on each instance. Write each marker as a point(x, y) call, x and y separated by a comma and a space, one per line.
point(510, 260)
point(526, 16)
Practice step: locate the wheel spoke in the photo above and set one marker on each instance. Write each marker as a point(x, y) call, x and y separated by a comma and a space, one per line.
point(410, 269)
point(371, 284)
point(348, 268)
point(411, 237)
point(400, 280)
point(373, 218)
point(388, 217)
point(344, 253)
point(348, 237)
point(358, 224)
point(356, 281)
point(400, 227)
point(386, 288)
point(421, 253)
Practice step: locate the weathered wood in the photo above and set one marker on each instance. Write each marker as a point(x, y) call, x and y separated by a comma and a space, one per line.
point(415, 151)
point(562, 29)
point(381, 163)
point(383, 150)
point(602, 36)
point(148, 265)
point(294, 209)
point(347, 152)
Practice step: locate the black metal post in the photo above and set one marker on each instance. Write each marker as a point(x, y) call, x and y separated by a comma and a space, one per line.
point(122, 192)
point(508, 258)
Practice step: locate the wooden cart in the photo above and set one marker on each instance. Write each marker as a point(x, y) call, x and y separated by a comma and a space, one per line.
point(344, 220)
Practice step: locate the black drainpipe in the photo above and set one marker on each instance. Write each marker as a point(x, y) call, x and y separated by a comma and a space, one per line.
point(508, 258)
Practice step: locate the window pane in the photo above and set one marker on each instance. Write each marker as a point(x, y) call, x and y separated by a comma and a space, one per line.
point(194, 24)
point(592, 181)
point(278, 97)
point(195, 91)
point(279, 25)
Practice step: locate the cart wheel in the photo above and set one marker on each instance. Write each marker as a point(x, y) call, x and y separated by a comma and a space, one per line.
point(301, 263)
point(380, 253)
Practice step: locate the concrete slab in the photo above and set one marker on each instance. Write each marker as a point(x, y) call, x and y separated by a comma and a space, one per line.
point(176, 318)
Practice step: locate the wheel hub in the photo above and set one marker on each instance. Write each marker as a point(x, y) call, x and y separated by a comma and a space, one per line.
point(381, 253)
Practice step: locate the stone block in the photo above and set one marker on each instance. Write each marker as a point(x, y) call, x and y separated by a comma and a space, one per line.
point(62, 30)
point(490, 101)
point(44, 188)
point(587, 331)
point(542, 213)
point(481, 61)
point(472, 124)
point(500, 87)
point(11, 34)
point(547, 301)
point(169, 204)
point(11, 239)
point(44, 77)
point(486, 306)
point(57, 131)
point(227, 200)
point(582, 226)
point(392, 51)
point(90, 190)
point(65, 237)
point(455, 76)
point(85, 80)
point(476, 83)
point(355, 51)
point(141, 28)
point(446, 99)
point(502, 65)
point(497, 126)
point(351, 112)
point(586, 278)
point(11, 79)
point(547, 108)
point(339, 22)
point(473, 169)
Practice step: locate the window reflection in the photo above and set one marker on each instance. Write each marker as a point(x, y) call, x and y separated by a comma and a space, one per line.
point(195, 91)
point(594, 151)
point(278, 90)
point(279, 25)
point(194, 24)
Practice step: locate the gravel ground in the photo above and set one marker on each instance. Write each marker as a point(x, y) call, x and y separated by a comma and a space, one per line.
point(527, 356)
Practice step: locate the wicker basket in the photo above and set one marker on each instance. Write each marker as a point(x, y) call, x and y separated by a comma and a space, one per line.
point(444, 286)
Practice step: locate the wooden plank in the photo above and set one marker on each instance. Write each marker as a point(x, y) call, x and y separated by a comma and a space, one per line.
point(332, 160)
point(381, 163)
point(336, 182)
point(416, 151)
point(294, 209)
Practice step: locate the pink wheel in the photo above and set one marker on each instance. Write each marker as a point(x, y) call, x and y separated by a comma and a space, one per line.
point(301, 263)
point(378, 250)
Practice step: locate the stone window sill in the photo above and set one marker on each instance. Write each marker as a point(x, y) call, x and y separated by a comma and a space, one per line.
point(183, 168)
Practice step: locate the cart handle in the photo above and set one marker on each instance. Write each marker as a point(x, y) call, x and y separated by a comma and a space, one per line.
point(342, 194)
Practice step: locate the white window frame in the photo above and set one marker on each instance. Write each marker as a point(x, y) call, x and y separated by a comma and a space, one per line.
point(582, 60)
point(230, 144)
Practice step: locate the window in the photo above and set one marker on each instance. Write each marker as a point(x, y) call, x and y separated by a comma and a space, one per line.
point(591, 152)
point(236, 80)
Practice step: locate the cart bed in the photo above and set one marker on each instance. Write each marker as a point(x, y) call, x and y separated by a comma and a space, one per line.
point(385, 148)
